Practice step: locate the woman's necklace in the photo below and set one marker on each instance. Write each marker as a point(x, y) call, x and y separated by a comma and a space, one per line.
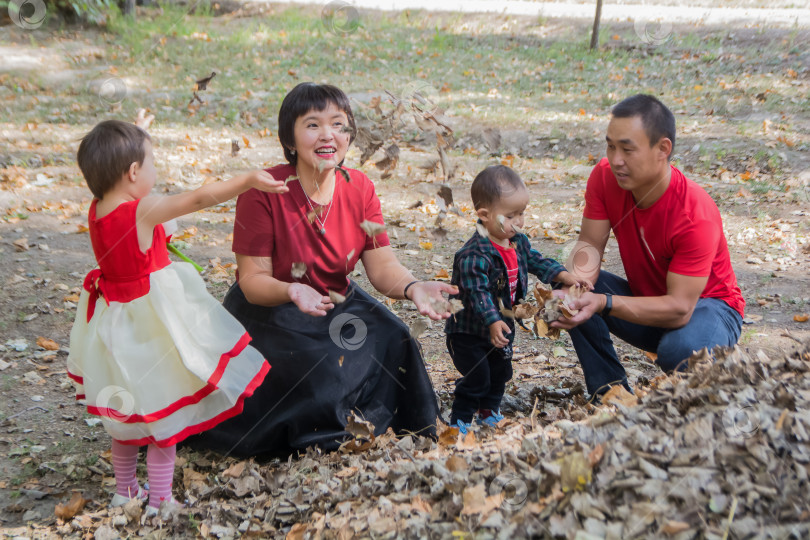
point(316, 215)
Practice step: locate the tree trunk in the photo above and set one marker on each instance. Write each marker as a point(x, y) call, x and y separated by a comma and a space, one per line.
point(129, 8)
point(595, 33)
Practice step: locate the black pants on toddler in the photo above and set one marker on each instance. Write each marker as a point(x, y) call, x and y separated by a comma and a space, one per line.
point(485, 368)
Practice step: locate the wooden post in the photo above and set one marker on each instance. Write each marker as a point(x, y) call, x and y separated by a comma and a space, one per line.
point(595, 33)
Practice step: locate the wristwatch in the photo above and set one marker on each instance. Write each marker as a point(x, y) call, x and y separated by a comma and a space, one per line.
point(608, 305)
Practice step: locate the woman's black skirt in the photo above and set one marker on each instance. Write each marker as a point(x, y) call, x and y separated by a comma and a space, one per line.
point(359, 358)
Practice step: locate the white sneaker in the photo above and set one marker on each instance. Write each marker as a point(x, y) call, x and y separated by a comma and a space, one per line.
point(121, 500)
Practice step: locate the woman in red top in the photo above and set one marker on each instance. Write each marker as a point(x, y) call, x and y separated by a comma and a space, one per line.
point(333, 348)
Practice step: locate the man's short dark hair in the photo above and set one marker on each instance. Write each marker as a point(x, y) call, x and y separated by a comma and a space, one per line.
point(305, 97)
point(492, 183)
point(107, 152)
point(657, 119)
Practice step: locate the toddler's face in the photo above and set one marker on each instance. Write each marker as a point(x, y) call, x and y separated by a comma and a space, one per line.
point(504, 215)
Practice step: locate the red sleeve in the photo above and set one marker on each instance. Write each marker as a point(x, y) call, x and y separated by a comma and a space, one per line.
point(253, 225)
point(595, 193)
point(694, 249)
point(373, 212)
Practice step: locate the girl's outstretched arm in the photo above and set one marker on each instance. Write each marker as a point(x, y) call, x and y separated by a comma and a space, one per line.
point(156, 209)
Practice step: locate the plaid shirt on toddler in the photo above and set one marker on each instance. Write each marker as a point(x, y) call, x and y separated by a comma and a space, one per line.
point(480, 274)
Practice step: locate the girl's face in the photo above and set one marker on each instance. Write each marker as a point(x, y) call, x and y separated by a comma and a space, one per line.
point(320, 140)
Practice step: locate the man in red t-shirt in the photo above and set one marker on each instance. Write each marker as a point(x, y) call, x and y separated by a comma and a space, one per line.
point(681, 294)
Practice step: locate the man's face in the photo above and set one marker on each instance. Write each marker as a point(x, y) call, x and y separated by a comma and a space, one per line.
point(635, 164)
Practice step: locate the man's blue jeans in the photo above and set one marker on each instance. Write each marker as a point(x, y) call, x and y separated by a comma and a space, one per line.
point(713, 323)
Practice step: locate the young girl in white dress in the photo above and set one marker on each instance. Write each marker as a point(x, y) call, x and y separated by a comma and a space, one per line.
point(152, 353)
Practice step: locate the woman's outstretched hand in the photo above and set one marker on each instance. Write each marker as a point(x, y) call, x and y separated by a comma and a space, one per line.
point(309, 300)
point(264, 181)
point(427, 295)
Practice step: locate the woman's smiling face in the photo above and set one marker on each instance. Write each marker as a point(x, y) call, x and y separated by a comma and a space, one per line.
point(321, 138)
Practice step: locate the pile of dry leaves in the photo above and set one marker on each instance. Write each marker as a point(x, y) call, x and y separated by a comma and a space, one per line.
point(722, 450)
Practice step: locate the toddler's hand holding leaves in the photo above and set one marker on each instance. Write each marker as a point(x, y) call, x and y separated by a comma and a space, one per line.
point(570, 280)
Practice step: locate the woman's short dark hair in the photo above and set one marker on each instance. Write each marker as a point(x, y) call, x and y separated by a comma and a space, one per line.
point(657, 119)
point(491, 184)
point(107, 152)
point(303, 98)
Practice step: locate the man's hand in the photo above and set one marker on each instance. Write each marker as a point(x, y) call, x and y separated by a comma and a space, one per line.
point(588, 305)
point(497, 334)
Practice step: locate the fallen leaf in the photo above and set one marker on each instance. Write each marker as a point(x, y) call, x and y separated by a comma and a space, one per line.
point(424, 244)
point(674, 527)
point(340, 360)
point(336, 298)
point(457, 463)
point(442, 274)
point(421, 506)
point(47, 344)
point(21, 244)
point(595, 455)
point(456, 305)
point(575, 472)
point(801, 318)
point(71, 508)
point(346, 472)
point(235, 471)
point(619, 394)
point(448, 436)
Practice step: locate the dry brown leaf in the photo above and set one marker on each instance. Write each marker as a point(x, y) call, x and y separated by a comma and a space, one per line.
point(298, 532)
point(476, 501)
point(358, 427)
point(336, 298)
point(525, 311)
point(235, 471)
point(575, 472)
point(801, 318)
point(619, 394)
point(542, 292)
point(448, 436)
point(468, 442)
point(457, 463)
point(421, 506)
point(418, 328)
point(482, 230)
point(456, 305)
point(595, 455)
point(674, 527)
point(505, 312)
point(47, 344)
point(340, 360)
point(442, 274)
point(71, 508)
point(347, 472)
point(21, 244)
point(298, 270)
point(372, 228)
